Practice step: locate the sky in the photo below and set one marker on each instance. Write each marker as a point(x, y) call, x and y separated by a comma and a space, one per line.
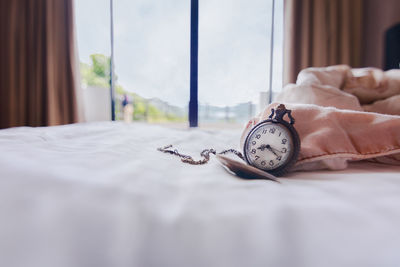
point(152, 47)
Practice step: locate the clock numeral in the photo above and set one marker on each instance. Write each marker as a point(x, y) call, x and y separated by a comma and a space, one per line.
point(271, 163)
point(284, 150)
point(253, 151)
point(263, 163)
point(272, 130)
point(284, 140)
point(254, 143)
point(280, 133)
point(257, 157)
point(258, 136)
point(264, 131)
point(279, 158)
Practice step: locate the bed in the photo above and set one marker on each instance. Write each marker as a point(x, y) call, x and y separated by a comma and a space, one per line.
point(100, 194)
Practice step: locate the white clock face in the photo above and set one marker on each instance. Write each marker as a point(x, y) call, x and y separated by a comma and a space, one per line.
point(269, 146)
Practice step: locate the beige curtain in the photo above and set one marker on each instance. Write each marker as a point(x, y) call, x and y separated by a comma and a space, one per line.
point(320, 33)
point(37, 66)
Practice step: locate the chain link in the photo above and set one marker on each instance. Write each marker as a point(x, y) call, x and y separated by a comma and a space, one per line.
point(205, 154)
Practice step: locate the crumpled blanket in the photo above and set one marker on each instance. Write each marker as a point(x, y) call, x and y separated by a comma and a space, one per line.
point(343, 115)
point(365, 89)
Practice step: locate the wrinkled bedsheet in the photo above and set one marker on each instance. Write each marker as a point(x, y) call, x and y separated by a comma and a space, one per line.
point(100, 194)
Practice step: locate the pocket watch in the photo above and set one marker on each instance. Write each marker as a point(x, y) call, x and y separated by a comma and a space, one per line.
point(273, 145)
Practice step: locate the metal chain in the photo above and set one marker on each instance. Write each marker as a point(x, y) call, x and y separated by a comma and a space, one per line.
point(205, 154)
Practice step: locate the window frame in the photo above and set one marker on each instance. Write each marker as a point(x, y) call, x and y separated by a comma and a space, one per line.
point(193, 107)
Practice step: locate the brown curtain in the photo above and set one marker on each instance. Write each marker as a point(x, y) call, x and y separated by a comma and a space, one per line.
point(320, 33)
point(37, 63)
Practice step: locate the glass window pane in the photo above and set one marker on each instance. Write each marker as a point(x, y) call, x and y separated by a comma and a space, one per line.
point(93, 34)
point(234, 58)
point(152, 46)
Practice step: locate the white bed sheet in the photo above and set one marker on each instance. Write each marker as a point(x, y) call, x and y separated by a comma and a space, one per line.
point(99, 194)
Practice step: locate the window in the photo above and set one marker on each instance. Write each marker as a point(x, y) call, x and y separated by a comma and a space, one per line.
point(93, 34)
point(234, 58)
point(152, 58)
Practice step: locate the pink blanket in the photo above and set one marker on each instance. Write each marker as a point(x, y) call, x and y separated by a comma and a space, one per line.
point(342, 115)
point(366, 89)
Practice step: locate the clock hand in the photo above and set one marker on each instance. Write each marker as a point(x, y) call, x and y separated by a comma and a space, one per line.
point(272, 150)
point(263, 146)
point(284, 150)
point(280, 151)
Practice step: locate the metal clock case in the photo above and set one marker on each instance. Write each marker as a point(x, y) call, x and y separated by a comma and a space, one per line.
point(273, 145)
